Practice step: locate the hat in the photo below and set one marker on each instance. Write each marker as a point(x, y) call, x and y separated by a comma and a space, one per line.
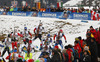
point(56, 47)
point(86, 48)
point(91, 26)
point(48, 35)
point(66, 47)
point(79, 37)
point(76, 39)
point(25, 27)
point(61, 30)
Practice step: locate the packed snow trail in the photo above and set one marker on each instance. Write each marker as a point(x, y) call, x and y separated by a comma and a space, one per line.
point(72, 28)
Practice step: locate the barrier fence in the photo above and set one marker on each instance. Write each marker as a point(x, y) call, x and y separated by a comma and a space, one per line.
point(60, 15)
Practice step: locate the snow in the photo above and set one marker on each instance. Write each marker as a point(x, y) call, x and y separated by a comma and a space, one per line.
point(72, 2)
point(71, 28)
point(75, 2)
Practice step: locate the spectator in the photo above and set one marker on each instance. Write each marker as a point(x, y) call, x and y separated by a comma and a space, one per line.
point(7, 9)
point(55, 56)
point(19, 8)
point(1, 9)
point(15, 8)
point(98, 42)
point(93, 31)
point(93, 50)
point(11, 9)
point(77, 48)
point(65, 55)
point(86, 57)
point(33, 9)
point(24, 8)
point(29, 8)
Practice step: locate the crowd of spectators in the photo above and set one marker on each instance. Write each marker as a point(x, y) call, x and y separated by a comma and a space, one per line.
point(28, 8)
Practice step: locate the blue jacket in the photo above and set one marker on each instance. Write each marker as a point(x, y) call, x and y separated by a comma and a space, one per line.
point(16, 9)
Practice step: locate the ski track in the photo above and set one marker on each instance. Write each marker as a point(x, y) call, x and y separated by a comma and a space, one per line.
point(71, 28)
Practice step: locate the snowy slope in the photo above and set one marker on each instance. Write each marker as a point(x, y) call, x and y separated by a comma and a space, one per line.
point(71, 28)
point(72, 2)
point(75, 2)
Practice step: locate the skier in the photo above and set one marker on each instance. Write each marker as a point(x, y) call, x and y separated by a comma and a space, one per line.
point(7, 42)
point(15, 55)
point(38, 31)
point(47, 42)
point(14, 37)
point(58, 37)
point(1, 58)
point(26, 35)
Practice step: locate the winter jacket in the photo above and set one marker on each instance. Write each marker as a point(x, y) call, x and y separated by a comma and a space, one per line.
point(94, 33)
point(65, 55)
point(16, 9)
point(86, 58)
point(77, 47)
point(88, 41)
point(12, 9)
point(98, 37)
point(26, 56)
point(69, 51)
point(81, 42)
point(93, 49)
point(55, 57)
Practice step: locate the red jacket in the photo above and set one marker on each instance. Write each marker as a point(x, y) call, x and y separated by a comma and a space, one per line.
point(94, 33)
point(81, 42)
point(69, 54)
point(56, 35)
point(77, 47)
point(14, 44)
point(98, 37)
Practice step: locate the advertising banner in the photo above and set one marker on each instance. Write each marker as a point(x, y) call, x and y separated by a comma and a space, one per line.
point(51, 15)
point(80, 16)
point(19, 13)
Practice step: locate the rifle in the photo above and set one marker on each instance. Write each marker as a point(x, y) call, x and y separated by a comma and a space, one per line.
point(38, 29)
point(58, 37)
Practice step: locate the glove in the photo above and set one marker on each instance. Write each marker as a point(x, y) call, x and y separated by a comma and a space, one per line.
point(65, 41)
point(54, 42)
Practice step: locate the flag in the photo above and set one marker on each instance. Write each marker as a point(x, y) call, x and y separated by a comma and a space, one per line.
point(38, 5)
point(94, 15)
point(59, 4)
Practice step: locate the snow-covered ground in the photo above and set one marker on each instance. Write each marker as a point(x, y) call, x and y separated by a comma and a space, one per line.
point(71, 28)
point(75, 2)
point(72, 2)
